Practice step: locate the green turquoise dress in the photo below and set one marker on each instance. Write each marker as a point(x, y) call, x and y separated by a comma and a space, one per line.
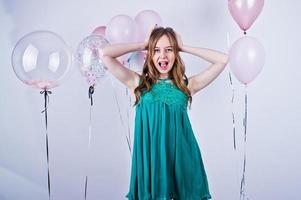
point(166, 162)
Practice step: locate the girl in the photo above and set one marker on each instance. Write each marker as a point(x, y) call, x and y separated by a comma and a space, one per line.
point(166, 162)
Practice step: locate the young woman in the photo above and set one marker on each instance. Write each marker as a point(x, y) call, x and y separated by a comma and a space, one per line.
point(166, 162)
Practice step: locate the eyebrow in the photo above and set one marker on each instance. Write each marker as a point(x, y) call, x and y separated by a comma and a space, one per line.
point(164, 47)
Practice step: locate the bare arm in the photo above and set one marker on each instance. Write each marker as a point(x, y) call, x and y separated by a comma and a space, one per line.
point(218, 62)
point(109, 56)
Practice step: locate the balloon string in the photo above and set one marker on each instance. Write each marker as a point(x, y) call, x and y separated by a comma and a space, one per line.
point(86, 185)
point(90, 92)
point(128, 126)
point(246, 113)
point(233, 115)
point(243, 180)
point(232, 99)
point(46, 102)
point(120, 115)
point(128, 117)
point(128, 108)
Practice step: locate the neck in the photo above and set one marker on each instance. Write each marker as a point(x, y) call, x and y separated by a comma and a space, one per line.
point(163, 76)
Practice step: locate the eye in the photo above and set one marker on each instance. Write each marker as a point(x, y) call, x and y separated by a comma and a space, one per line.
point(169, 50)
point(157, 50)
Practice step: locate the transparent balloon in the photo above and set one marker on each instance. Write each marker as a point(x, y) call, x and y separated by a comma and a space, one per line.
point(41, 59)
point(87, 55)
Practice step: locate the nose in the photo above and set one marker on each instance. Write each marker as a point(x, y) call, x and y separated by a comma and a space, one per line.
point(162, 54)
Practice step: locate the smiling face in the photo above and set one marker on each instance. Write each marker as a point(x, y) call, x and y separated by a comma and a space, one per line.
point(162, 61)
point(163, 56)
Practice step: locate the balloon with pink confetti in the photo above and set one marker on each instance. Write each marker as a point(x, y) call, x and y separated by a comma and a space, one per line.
point(41, 59)
point(87, 56)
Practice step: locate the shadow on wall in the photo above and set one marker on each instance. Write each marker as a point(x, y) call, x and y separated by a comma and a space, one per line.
point(2, 197)
point(7, 10)
point(10, 181)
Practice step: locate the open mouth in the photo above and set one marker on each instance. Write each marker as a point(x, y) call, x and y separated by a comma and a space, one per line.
point(163, 65)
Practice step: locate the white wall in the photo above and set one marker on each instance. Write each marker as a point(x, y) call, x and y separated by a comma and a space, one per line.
point(274, 110)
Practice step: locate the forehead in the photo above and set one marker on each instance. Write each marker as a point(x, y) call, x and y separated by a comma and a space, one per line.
point(163, 42)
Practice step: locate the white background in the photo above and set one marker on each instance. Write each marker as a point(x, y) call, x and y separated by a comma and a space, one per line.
point(273, 146)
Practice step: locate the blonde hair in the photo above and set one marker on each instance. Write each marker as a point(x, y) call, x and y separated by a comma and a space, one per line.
point(150, 74)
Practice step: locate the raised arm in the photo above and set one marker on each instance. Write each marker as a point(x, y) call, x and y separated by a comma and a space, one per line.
point(218, 62)
point(109, 56)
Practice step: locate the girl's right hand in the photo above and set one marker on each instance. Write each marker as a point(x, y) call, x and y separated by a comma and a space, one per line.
point(147, 38)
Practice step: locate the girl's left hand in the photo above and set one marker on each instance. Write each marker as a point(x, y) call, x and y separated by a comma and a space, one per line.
point(180, 42)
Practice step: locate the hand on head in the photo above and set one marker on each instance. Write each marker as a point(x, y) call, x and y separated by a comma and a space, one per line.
point(148, 36)
point(179, 40)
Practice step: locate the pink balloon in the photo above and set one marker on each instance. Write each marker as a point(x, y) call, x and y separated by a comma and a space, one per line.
point(146, 21)
point(246, 59)
point(101, 30)
point(121, 29)
point(245, 12)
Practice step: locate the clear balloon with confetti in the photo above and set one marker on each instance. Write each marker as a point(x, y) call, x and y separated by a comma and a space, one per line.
point(41, 59)
point(89, 61)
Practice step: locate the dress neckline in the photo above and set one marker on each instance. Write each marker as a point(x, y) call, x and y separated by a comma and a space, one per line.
point(164, 79)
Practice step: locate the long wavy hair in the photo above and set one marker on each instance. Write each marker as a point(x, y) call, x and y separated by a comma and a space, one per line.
point(150, 74)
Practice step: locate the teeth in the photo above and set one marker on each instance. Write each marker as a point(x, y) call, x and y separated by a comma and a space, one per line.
point(163, 63)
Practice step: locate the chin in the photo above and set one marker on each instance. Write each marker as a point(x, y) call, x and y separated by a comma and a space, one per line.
point(163, 71)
